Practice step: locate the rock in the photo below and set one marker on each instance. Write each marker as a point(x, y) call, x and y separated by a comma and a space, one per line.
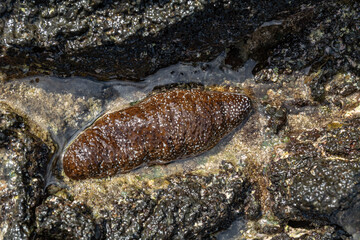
point(294, 171)
point(191, 206)
point(308, 186)
point(23, 165)
point(58, 218)
point(125, 39)
point(323, 51)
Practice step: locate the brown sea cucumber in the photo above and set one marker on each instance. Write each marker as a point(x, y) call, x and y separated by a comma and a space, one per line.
point(164, 127)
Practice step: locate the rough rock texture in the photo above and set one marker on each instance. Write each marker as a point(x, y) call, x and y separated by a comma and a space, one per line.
point(123, 39)
point(314, 187)
point(314, 178)
point(295, 164)
point(23, 159)
point(190, 207)
point(324, 233)
point(327, 46)
point(58, 218)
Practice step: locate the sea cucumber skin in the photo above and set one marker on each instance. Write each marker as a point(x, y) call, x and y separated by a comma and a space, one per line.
point(164, 127)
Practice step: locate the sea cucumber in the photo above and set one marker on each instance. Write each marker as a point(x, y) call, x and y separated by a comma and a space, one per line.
point(164, 127)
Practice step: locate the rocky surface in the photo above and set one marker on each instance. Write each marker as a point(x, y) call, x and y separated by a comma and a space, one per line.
point(291, 172)
point(319, 181)
point(123, 39)
point(24, 158)
point(190, 207)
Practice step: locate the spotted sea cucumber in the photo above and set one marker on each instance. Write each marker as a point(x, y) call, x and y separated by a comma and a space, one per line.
point(164, 127)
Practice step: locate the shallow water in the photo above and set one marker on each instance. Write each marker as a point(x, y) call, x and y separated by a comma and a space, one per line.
point(232, 233)
point(211, 73)
point(65, 106)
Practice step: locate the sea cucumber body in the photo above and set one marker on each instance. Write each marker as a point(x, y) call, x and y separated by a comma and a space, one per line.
point(167, 126)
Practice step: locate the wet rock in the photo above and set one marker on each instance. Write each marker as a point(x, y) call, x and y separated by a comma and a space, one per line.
point(124, 39)
point(342, 89)
point(277, 118)
point(306, 77)
point(267, 226)
point(325, 47)
point(190, 210)
point(344, 85)
point(313, 188)
point(267, 75)
point(324, 233)
point(349, 218)
point(308, 186)
point(253, 206)
point(22, 171)
point(257, 44)
point(343, 141)
point(191, 206)
point(58, 218)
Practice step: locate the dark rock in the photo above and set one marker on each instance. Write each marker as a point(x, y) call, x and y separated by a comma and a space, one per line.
point(258, 44)
point(325, 47)
point(345, 87)
point(349, 218)
point(58, 218)
point(125, 39)
point(277, 118)
point(22, 172)
point(344, 141)
point(312, 188)
point(327, 233)
point(315, 188)
point(253, 206)
point(306, 186)
point(298, 105)
point(190, 207)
